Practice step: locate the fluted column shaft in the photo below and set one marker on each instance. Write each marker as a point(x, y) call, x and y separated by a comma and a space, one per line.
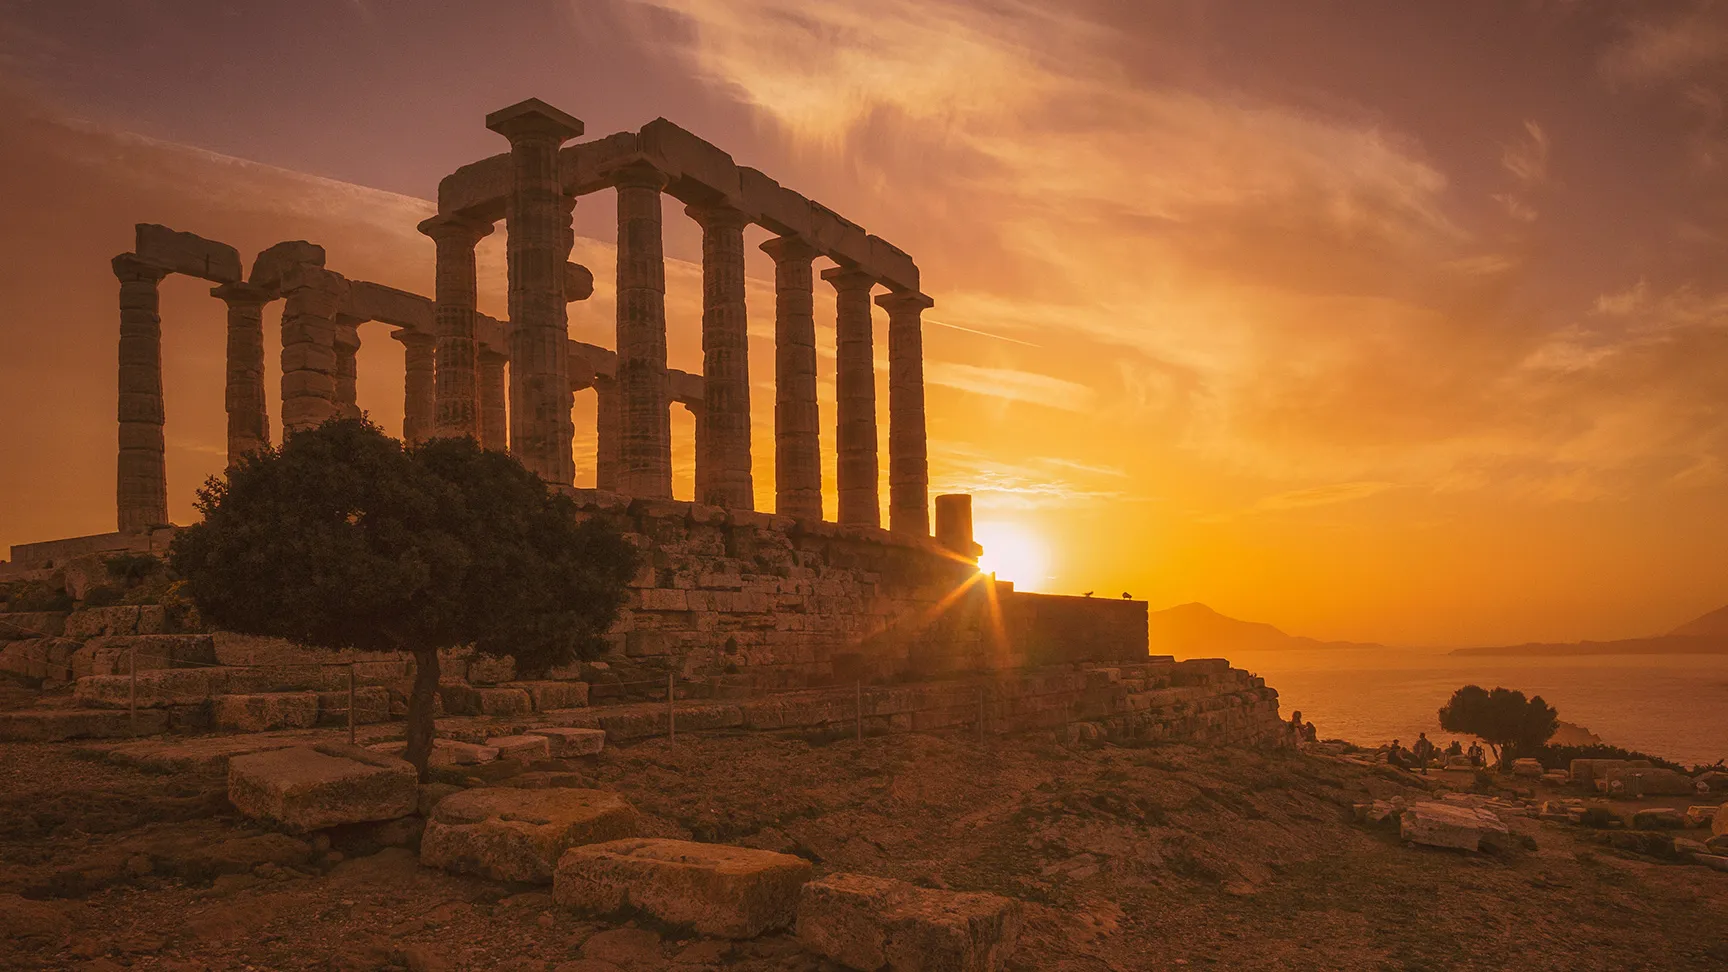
point(723, 422)
point(456, 376)
point(855, 399)
point(608, 421)
point(418, 385)
point(248, 412)
point(313, 296)
point(347, 374)
point(141, 480)
point(908, 460)
point(645, 420)
point(494, 414)
point(797, 439)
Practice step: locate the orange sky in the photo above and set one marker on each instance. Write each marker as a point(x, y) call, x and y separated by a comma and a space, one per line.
point(1372, 322)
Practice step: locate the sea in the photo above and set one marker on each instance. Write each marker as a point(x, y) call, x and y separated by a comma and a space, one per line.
point(1672, 706)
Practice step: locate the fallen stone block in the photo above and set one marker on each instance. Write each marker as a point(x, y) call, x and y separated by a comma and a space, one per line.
point(871, 923)
point(1447, 825)
point(564, 743)
point(1719, 822)
point(310, 787)
point(1713, 861)
point(1686, 847)
point(262, 713)
point(715, 889)
point(1526, 768)
point(525, 748)
point(1700, 816)
point(1645, 781)
point(510, 834)
point(1587, 771)
point(1658, 818)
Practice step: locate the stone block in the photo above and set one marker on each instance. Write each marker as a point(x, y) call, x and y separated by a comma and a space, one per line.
point(369, 301)
point(838, 237)
point(1658, 818)
point(1635, 781)
point(1719, 822)
point(1528, 769)
point(371, 705)
point(525, 748)
point(468, 700)
point(491, 669)
point(1448, 825)
point(117, 619)
point(32, 624)
point(49, 659)
point(776, 207)
point(310, 787)
point(714, 889)
point(871, 923)
point(549, 694)
point(684, 156)
point(892, 265)
point(186, 253)
point(510, 834)
point(179, 686)
point(663, 599)
point(1586, 771)
point(54, 725)
point(445, 752)
point(271, 265)
point(567, 742)
point(115, 654)
point(267, 711)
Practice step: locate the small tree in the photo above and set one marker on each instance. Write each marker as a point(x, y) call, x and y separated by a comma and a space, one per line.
point(342, 539)
point(1504, 719)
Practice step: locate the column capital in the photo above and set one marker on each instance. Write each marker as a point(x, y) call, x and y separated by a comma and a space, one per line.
point(412, 338)
point(534, 118)
point(904, 300)
point(130, 268)
point(459, 229)
point(240, 294)
point(790, 249)
point(714, 217)
point(638, 175)
point(847, 279)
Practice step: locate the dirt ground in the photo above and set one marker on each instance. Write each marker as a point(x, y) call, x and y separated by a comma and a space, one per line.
point(1161, 857)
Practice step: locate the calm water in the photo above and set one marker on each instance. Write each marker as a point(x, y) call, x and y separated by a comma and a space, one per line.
point(1674, 706)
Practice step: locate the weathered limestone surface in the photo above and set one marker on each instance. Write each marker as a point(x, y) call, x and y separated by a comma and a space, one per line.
point(714, 889)
point(120, 654)
point(723, 433)
point(494, 412)
point(1636, 781)
point(870, 923)
point(266, 711)
point(142, 475)
point(456, 383)
point(537, 217)
point(523, 747)
point(855, 398)
point(565, 742)
point(55, 725)
point(908, 462)
point(511, 834)
point(248, 413)
point(118, 619)
point(1448, 825)
point(187, 253)
point(797, 446)
point(469, 700)
point(645, 430)
point(419, 385)
point(314, 296)
point(311, 787)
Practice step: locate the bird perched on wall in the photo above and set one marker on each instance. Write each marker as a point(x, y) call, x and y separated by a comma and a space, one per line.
point(1088, 593)
point(1126, 596)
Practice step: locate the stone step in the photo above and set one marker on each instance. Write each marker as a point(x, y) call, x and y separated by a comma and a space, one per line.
point(54, 725)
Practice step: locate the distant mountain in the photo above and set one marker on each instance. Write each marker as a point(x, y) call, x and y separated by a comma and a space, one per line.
point(1190, 630)
point(1712, 625)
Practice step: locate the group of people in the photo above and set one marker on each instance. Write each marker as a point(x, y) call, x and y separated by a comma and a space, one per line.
point(1423, 752)
point(1298, 733)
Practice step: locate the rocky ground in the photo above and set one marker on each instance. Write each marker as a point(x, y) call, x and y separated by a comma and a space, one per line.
point(1160, 857)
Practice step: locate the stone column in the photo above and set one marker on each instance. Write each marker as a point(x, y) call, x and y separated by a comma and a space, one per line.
point(608, 420)
point(456, 376)
point(537, 219)
point(494, 414)
point(248, 412)
point(313, 297)
point(797, 442)
point(418, 385)
point(141, 481)
point(855, 398)
point(347, 374)
point(908, 460)
point(645, 419)
point(723, 422)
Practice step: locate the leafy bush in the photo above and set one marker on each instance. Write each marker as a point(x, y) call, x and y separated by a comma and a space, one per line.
point(1508, 722)
point(131, 569)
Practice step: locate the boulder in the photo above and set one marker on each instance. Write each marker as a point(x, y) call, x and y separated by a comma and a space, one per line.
point(1650, 781)
point(871, 923)
point(510, 834)
point(310, 787)
point(266, 711)
point(1447, 825)
point(564, 743)
point(525, 748)
point(1658, 818)
point(1587, 771)
point(715, 889)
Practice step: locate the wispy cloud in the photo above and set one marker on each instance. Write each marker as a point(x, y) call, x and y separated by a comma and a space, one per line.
point(1011, 385)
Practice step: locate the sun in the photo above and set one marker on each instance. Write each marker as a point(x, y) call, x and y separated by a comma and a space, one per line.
point(1012, 553)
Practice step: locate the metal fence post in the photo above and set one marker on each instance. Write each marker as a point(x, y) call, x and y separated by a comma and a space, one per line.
point(859, 689)
point(132, 688)
point(350, 703)
point(671, 709)
point(980, 715)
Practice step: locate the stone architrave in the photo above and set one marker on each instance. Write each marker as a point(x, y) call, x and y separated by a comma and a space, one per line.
point(797, 440)
point(855, 398)
point(723, 430)
point(456, 378)
point(494, 414)
point(313, 297)
point(141, 491)
point(248, 413)
point(347, 374)
point(608, 421)
point(908, 460)
point(645, 418)
point(419, 382)
point(537, 218)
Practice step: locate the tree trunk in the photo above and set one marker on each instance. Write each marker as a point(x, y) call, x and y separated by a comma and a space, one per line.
point(420, 711)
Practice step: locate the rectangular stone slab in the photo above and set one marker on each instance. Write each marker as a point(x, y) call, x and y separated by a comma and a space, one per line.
point(715, 889)
point(311, 787)
point(870, 923)
point(572, 742)
point(187, 253)
point(511, 834)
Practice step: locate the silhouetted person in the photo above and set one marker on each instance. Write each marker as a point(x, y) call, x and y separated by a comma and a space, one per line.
point(1395, 755)
point(1455, 749)
point(1293, 729)
point(1309, 733)
point(1477, 757)
point(1424, 752)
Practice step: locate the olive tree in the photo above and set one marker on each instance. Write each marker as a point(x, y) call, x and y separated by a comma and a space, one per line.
point(1503, 718)
point(343, 538)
